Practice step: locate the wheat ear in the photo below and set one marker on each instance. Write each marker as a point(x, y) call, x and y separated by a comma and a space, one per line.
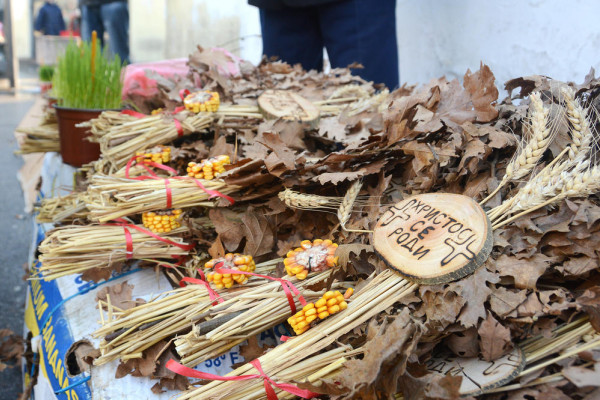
point(530, 154)
point(581, 134)
point(303, 201)
point(345, 209)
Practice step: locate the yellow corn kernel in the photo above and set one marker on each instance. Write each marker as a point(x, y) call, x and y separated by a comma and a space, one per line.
point(323, 315)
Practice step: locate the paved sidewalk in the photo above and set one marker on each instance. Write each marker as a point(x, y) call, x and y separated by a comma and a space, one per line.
point(15, 234)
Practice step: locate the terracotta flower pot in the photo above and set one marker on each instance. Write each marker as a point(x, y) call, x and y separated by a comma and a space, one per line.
point(75, 149)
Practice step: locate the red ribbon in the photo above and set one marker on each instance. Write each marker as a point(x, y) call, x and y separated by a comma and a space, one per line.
point(183, 93)
point(133, 113)
point(175, 120)
point(211, 193)
point(268, 382)
point(211, 293)
point(128, 244)
point(169, 195)
point(125, 224)
point(288, 287)
point(143, 163)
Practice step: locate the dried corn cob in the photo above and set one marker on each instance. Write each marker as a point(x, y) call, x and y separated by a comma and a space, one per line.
point(202, 101)
point(234, 261)
point(331, 303)
point(310, 256)
point(162, 221)
point(159, 154)
point(209, 168)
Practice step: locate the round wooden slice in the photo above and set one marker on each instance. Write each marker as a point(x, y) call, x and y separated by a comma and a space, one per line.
point(284, 104)
point(434, 238)
point(479, 375)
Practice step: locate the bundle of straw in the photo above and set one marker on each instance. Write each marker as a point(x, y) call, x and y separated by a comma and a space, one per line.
point(127, 333)
point(61, 209)
point(120, 142)
point(242, 317)
point(381, 292)
point(312, 370)
point(39, 139)
point(109, 198)
point(75, 249)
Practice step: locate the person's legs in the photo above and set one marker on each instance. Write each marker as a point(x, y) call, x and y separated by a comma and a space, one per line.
point(115, 16)
point(293, 35)
point(362, 31)
point(91, 21)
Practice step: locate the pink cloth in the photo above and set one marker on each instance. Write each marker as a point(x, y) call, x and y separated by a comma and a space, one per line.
point(137, 83)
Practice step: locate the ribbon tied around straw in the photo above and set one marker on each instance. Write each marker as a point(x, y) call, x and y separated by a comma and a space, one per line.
point(129, 240)
point(268, 382)
point(169, 200)
point(211, 293)
point(288, 287)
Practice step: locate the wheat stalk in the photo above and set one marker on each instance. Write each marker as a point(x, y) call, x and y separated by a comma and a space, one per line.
point(303, 201)
point(345, 209)
point(581, 134)
point(529, 155)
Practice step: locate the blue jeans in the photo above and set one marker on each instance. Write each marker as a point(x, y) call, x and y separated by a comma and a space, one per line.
point(362, 31)
point(112, 18)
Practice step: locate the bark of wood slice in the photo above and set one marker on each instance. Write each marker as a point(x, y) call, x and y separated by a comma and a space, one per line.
point(434, 238)
point(479, 375)
point(288, 105)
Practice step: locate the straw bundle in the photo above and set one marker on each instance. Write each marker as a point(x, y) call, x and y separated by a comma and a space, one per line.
point(253, 312)
point(380, 293)
point(121, 141)
point(313, 369)
point(39, 139)
point(61, 209)
point(127, 333)
point(109, 198)
point(75, 249)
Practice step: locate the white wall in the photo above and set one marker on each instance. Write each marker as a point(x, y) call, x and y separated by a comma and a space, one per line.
point(560, 39)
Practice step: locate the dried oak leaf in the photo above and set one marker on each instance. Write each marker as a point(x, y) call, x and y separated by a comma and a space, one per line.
point(345, 250)
point(337, 177)
point(333, 129)
point(144, 366)
point(252, 350)
point(228, 225)
point(258, 232)
point(11, 349)
point(525, 271)
point(575, 266)
point(441, 306)
point(418, 384)
point(475, 292)
point(483, 92)
point(544, 392)
point(581, 376)
point(221, 147)
point(504, 302)
point(179, 383)
point(494, 339)
point(463, 344)
point(589, 302)
point(385, 357)
point(120, 296)
point(282, 157)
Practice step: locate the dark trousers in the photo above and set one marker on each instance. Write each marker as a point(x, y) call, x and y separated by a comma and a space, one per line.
point(362, 31)
point(111, 17)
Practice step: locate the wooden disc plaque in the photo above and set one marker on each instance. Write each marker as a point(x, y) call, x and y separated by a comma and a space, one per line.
point(434, 238)
point(288, 105)
point(479, 375)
